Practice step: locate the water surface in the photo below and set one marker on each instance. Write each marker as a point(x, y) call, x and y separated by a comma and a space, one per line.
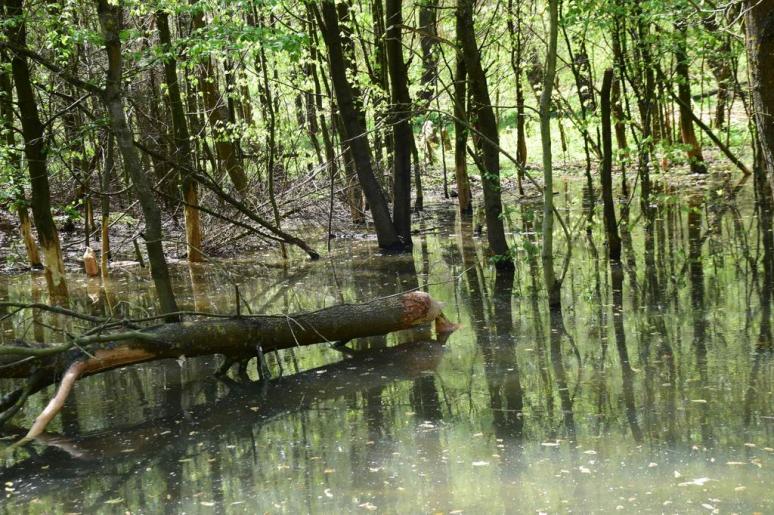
point(651, 392)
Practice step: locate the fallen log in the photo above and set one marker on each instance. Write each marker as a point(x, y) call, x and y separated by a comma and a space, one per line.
point(233, 337)
point(251, 404)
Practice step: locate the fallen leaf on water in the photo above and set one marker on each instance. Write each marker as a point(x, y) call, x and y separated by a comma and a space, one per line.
point(695, 482)
point(328, 493)
point(115, 501)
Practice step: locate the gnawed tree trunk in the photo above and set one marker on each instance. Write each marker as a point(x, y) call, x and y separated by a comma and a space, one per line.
point(183, 151)
point(14, 159)
point(235, 338)
point(35, 152)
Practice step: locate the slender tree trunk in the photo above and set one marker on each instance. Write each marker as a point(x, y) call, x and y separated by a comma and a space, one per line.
point(218, 115)
point(381, 80)
point(270, 117)
point(107, 173)
point(35, 153)
point(183, 152)
point(111, 21)
point(646, 99)
point(688, 135)
point(611, 226)
point(428, 20)
point(487, 125)
point(461, 137)
point(553, 286)
point(9, 137)
point(617, 94)
point(355, 131)
point(517, 40)
point(403, 137)
point(759, 25)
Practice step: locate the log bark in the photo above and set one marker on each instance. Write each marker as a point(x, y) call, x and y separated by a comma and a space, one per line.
point(235, 338)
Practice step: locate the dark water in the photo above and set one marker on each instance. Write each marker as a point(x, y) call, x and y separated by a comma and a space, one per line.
point(652, 392)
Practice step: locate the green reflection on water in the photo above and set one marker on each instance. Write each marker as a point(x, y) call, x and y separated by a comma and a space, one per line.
point(652, 392)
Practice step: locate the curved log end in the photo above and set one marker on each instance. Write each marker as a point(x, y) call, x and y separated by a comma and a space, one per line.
point(419, 308)
point(444, 326)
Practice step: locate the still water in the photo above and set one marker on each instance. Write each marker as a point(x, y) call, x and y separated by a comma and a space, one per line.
point(652, 392)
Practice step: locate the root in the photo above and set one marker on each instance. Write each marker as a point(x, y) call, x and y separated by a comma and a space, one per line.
point(55, 404)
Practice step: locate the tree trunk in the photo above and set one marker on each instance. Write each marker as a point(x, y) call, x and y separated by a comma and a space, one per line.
point(403, 137)
point(111, 21)
point(183, 151)
point(35, 153)
point(107, 173)
point(553, 287)
point(428, 19)
point(688, 135)
point(487, 125)
point(611, 226)
point(218, 115)
point(7, 130)
point(517, 46)
point(759, 24)
point(461, 138)
point(355, 130)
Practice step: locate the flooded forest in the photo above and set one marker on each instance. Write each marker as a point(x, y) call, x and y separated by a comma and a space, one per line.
point(433, 256)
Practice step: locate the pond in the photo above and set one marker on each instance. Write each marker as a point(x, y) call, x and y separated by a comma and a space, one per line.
point(652, 391)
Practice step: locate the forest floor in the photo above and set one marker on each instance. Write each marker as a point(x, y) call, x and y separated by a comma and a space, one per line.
point(224, 240)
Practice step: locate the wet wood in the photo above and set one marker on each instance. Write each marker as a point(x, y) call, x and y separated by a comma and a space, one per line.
point(235, 338)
